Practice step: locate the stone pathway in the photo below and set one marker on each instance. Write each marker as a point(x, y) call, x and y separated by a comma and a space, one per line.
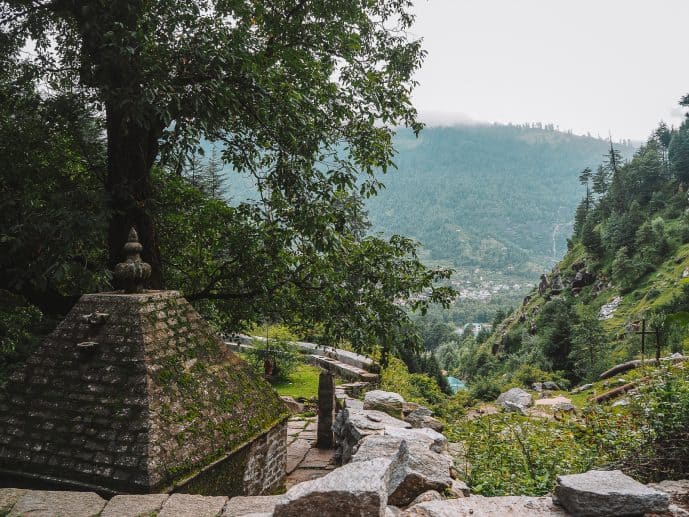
point(304, 460)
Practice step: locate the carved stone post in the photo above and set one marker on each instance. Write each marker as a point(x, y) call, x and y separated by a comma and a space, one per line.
point(326, 410)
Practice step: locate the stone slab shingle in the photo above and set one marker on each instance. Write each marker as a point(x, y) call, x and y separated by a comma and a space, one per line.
point(189, 505)
point(44, 503)
point(134, 505)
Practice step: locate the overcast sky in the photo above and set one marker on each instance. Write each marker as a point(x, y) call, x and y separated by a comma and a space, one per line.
point(586, 65)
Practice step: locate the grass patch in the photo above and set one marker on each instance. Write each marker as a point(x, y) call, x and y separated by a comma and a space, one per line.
point(303, 382)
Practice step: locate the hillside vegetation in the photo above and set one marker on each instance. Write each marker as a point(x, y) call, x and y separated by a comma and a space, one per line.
point(627, 268)
point(626, 271)
point(490, 196)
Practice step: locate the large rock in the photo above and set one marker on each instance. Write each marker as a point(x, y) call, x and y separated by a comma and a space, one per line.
point(479, 506)
point(516, 396)
point(607, 493)
point(44, 503)
point(418, 469)
point(431, 439)
point(294, 406)
point(431, 495)
point(379, 446)
point(459, 489)
point(423, 417)
point(353, 490)
point(386, 401)
point(353, 424)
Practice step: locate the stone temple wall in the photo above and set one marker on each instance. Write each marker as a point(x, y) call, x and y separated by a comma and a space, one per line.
point(136, 393)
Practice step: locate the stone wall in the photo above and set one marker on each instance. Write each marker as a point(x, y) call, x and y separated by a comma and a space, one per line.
point(265, 470)
point(256, 468)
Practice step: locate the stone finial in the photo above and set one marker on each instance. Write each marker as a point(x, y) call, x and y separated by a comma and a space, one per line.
point(131, 274)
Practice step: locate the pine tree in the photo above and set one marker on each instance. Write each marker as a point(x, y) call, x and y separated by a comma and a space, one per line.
point(601, 180)
point(584, 178)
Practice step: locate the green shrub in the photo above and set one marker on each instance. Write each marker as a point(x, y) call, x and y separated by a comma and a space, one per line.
point(18, 330)
point(527, 374)
point(508, 454)
point(484, 388)
point(413, 387)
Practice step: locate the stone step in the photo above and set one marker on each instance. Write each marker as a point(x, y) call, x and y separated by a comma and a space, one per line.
point(342, 370)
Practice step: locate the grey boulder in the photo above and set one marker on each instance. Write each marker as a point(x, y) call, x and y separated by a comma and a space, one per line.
point(423, 417)
point(607, 493)
point(419, 470)
point(431, 439)
point(354, 490)
point(385, 401)
point(516, 396)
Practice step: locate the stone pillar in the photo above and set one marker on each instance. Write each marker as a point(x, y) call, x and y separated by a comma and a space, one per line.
point(326, 410)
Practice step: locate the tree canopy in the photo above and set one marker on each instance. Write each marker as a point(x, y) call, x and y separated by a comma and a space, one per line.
point(304, 97)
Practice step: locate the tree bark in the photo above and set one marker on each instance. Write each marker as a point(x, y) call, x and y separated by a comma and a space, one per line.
point(132, 150)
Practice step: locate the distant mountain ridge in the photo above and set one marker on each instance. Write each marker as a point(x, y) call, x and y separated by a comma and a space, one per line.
point(498, 197)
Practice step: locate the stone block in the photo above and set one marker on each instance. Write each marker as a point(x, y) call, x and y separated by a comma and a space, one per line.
point(478, 506)
point(43, 503)
point(134, 505)
point(253, 505)
point(607, 493)
point(189, 505)
point(419, 469)
point(353, 490)
point(293, 406)
point(295, 453)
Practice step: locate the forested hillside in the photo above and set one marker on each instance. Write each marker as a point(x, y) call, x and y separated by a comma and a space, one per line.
point(626, 271)
point(488, 196)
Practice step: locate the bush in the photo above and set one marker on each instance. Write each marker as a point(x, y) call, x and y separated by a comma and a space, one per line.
point(275, 360)
point(413, 387)
point(483, 388)
point(663, 407)
point(527, 374)
point(18, 330)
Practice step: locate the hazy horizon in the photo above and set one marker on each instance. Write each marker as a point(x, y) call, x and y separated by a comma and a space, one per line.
point(590, 67)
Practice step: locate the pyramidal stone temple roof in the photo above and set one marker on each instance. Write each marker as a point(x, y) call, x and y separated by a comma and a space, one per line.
point(135, 393)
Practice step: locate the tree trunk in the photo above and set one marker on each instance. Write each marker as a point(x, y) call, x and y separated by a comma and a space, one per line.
point(132, 150)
